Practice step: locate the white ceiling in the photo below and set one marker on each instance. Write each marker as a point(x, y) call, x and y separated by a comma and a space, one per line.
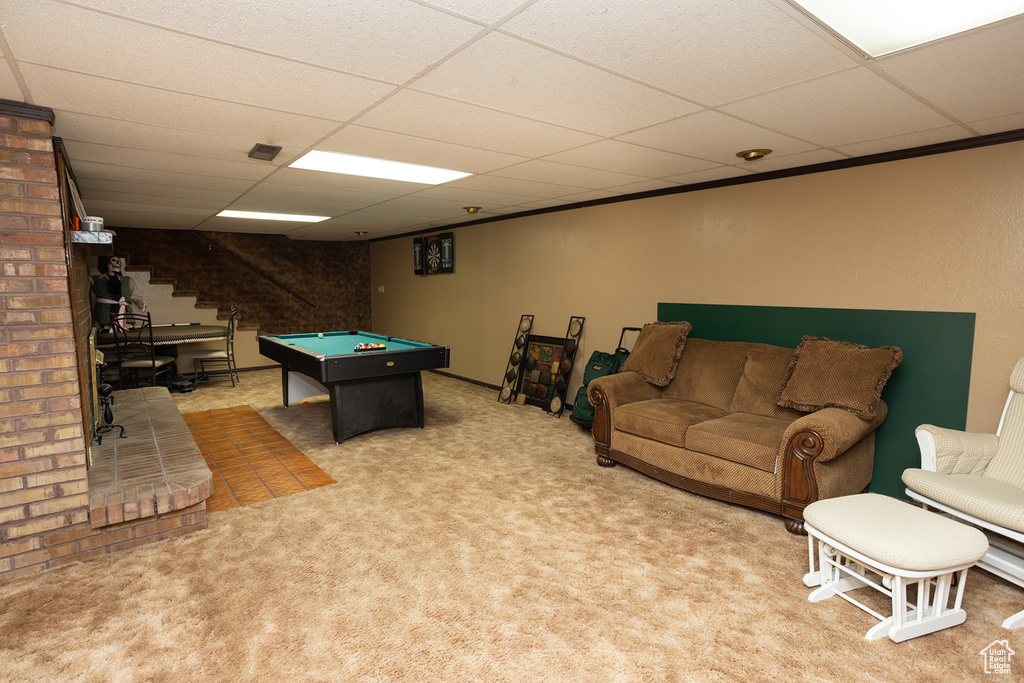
point(547, 102)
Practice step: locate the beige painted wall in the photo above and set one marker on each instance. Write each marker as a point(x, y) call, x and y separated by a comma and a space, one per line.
point(938, 233)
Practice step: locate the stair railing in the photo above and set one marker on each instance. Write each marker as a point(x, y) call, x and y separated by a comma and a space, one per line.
point(238, 259)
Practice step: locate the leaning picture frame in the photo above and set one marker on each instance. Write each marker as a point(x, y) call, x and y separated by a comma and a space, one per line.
point(543, 373)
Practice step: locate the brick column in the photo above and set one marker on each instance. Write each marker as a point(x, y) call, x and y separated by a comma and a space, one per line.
point(43, 485)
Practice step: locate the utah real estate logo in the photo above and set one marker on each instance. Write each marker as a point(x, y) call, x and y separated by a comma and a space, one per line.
point(997, 656)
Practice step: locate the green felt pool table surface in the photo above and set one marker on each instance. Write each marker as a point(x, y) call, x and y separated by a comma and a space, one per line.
point(340, 343)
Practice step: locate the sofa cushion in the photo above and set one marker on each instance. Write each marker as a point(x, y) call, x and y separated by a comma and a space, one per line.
point(747, 439)
point(758, 389)
point(662, 419)
point(708, 372)
point(988, 499)
point(836, 374)
point(657, 350)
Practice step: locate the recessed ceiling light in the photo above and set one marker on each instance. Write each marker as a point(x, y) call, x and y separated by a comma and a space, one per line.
point(263, 216)
point(753, 154)
point(881, 27)
point(368, 167)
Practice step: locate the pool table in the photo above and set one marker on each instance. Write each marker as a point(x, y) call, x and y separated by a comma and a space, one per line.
point(368, 389)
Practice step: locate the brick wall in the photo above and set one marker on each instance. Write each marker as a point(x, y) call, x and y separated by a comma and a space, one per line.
point(44, 513)
point(333, 276)
point(43, 480)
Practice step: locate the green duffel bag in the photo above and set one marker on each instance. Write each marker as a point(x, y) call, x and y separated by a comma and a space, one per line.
point(601, 363)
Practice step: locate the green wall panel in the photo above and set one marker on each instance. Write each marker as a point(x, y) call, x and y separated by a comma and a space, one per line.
point(930, 385)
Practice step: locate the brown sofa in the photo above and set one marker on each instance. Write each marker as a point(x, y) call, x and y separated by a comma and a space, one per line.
point(705, 416)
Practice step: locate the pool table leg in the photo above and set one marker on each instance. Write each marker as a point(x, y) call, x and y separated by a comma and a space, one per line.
point(360, 405)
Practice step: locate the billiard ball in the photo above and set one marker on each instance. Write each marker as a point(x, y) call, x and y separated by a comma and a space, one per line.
point(319, 335)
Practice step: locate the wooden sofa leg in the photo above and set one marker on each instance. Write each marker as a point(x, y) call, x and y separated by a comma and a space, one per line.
point(795, 527)
point(602, 429)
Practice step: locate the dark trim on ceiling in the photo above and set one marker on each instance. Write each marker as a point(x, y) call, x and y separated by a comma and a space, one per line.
point(26, 111)
point(62, 149)
point(867, 160)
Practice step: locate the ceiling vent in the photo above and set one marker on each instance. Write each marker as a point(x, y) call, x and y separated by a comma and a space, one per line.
point(264, 152)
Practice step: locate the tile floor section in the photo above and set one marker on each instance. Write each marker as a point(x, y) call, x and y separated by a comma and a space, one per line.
point(250, 460)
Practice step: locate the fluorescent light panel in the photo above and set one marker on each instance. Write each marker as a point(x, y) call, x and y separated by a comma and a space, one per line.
point(263, 216)
point(368, 167)
point(881, 27)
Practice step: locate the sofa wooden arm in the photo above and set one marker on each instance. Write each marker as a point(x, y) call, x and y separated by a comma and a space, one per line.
point(607, 393)
point(951, 451)
point(818, 437)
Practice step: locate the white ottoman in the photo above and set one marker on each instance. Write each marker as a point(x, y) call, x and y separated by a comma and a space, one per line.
point(881, 542)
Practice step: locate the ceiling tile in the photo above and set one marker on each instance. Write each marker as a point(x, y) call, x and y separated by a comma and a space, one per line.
point(951, 73)
point(282, 185)
point(645, 186)
point(74, 128)
point(615, 155)
point(714, 137)
point(85, 169)
point(223, 224)
point(97, 198)
point(438, 118)
point(908, 141)
point(483, 10)
point(564, 174)
point(998, 124)
point(83, 94)
point(710, 175)
point(465, 196)
point(390, 40)
point(853, 106)
point(92, 183)
point(383, 144)
point(496, 70)
point(149, 219)
point(164, 161)
point(340, 182)
point(520, 186)
point(200, 67)
point(685, 47)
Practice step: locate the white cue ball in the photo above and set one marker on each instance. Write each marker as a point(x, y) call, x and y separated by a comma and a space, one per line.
point(320, 335)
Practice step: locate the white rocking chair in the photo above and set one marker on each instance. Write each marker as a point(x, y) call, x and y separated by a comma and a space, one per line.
point(979, 479)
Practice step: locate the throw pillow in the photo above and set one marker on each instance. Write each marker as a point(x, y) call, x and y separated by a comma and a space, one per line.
point(657, 350)
point(837, 374)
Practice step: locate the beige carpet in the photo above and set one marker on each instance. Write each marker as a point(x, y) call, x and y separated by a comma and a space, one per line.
point(487, 547)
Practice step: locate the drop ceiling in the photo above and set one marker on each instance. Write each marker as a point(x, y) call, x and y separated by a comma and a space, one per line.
point(547, 102)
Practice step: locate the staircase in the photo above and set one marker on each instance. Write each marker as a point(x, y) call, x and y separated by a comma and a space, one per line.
point(167, 304)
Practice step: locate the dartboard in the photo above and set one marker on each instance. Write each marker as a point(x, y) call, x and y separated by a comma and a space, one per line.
point(434, 256)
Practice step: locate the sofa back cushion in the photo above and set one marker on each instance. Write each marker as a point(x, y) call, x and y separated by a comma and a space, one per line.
point(657, 350)
point(838, 374)
point(763, 374)
point(708, 372)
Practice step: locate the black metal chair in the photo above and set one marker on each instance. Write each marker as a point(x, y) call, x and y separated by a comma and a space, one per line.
point(136, 353)
point(221, 360)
